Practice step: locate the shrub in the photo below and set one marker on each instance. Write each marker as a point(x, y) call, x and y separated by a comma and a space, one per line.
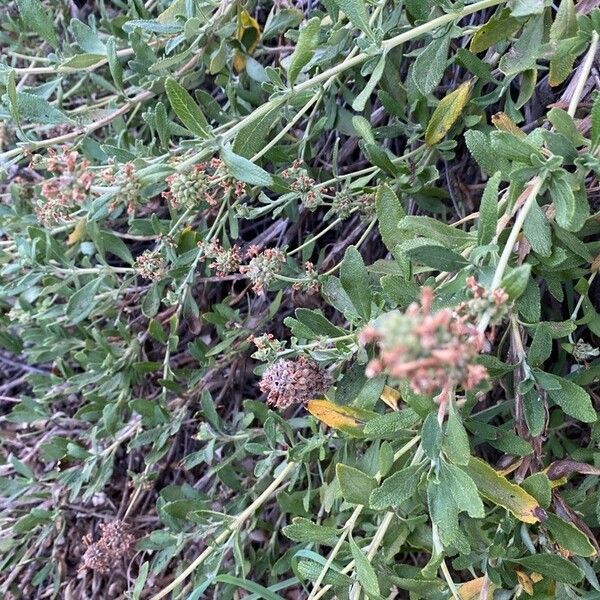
point(299, 299)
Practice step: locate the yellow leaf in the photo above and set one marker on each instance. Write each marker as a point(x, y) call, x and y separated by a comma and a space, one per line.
point(512, 467)
point(345, 418)
point(471, 590)
point(248, 31)
point(390, 396)
point(77, 234)
point(447, 112)
point(526, 582)
point(499, 490)
point(503, 122)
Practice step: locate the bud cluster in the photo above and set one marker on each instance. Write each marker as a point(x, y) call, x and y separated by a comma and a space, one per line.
point(495, 302)
point(116, 541)
point(129, 186)
point(299, 181)
point(263, 266)
point(434, 351)
point(344, 202)
point(288, 382)
point(205, 183)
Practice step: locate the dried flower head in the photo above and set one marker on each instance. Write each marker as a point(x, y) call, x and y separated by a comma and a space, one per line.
point(434, 351)
point(116, 541)
point(288, 382)
point(263, 266)
point(344, 203)
point(495, 303)
point(150, 265)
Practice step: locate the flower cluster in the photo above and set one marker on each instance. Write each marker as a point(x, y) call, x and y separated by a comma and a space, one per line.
point(344, 203)
point(288, 382)
point(116, 541)
point(263, 266)
point(310, 284)
point(483, 301)
point(150, 265)
point(434, 351)
point(129, 186)
point(68, 187)
point(206, 183)
point(224, 261)
point(299, 181)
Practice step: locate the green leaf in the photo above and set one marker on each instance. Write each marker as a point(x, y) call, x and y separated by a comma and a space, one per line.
point(355, 485)
point(564, 123)
point(541, 345)
point(83, 61)
point(523, 54)
point(115, 67)
point(438, 257)
point(250, 586)
point(488, 211)
point(86, 38)
point(355, 281)
point(561, 191)
point(429, 66)
point(567, 536)
point(305, 48)
point(526, 8)
point(303, 530)
point(251, 138)
point(595, 136)
point(451, 237)
point(186, 109)
point(447, 112)
point(515, 283)
point(480, 147)
point(396, 489)
point(38, 110)
point(511, 147)
point(550, 566)
point(356, 11)
point(499, 27)
point(364, 570)
point(38, 19)
point(456, 441)
point(242, 169)
point(537, 231)
point(573, 399)
point(361, 100)
point(81, 303)
point(389, 424)
point(389, 214)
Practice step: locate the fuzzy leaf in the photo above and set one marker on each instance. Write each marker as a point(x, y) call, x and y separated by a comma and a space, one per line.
point(186, 109)
point(447, 112)
point(356, 486)
point(305, 48)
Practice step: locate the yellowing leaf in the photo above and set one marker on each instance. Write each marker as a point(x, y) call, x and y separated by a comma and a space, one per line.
point(499, 490)
point(344, 418)
point(503, 122)
point(447, 112)
point(248, 31)
point(390, 396)
point(471, 590)
point(77, 234)
point(526, 581)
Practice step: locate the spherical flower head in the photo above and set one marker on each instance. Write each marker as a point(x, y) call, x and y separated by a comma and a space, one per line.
point(288, 382)
point(188, 189)
point(116, 541)
point(434, 351)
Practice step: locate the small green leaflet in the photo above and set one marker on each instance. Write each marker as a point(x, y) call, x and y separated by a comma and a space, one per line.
point(186, 109)
point(38, 110)
point(356, 11)
point(36, 17)
point(242, 169)
point(488, 211)
point(305, 48)
point(364, 570)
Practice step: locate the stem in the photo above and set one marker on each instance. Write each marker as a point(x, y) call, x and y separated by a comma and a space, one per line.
point(536, 185)
point(583, 75)
point(234, 525)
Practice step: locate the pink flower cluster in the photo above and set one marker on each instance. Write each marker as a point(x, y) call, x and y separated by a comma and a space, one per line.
point(68, 187)
point(263, 266)
point(434, 351)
